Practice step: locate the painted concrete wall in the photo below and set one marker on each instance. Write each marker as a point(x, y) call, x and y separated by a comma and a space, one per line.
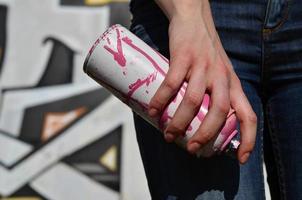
point(61, 135)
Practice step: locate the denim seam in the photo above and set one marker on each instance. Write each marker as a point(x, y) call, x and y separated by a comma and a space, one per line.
point(261, 123)
point(264, 55)
point(276, 149)
point(269, 31)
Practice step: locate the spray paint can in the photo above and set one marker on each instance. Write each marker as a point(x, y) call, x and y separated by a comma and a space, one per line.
point(133, 71)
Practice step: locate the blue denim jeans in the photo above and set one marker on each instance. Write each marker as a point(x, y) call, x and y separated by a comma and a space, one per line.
point(263, 39)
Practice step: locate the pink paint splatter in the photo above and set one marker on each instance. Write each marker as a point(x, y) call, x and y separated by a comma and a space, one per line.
point(156, 66)
point(138, 83)
point(117, 55)
point(108, 41)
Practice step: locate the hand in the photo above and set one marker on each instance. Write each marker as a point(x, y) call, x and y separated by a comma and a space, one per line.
point(197, 56)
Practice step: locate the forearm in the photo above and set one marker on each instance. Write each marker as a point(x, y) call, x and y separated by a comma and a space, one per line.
point(181, 8)
point(198, 10)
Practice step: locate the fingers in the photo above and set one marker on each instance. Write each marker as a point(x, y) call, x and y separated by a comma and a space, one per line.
point(248, 124)
point(190, 104)
point(179, 65)
point(215, 118)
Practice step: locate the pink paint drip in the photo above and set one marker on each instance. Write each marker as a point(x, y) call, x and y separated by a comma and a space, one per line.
point(108, 41)
point(128, 41)
point(118, 56)
point(139, 83)
point(157, 67)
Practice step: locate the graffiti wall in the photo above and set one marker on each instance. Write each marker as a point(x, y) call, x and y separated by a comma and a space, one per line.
point(62, 136)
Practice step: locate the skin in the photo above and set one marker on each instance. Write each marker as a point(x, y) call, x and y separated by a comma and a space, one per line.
point(206, 67)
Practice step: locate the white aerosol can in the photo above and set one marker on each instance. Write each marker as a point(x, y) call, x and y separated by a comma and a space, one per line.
point(133, 71)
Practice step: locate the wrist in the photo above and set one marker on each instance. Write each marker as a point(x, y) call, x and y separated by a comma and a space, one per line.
point(186, 9)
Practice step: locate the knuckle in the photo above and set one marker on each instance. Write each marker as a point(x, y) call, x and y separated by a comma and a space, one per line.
point(176, 128)
point(185, 59)
point(248, 144)
point(224, 80)
point(171, 84)
point(201, 62)
point(235, 82)
point(235, 79)
point(205, 66)
point(177, 56)
point(224, 69)
point(176, 53)
point(205, 137)
point(252, 118)
point(223, 107)
point(194, 99)
point(156, 103)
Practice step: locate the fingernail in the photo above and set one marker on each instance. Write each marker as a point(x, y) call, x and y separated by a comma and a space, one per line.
point(169, 137)
point(153, 112)
point(194, 147)
point(245, 157)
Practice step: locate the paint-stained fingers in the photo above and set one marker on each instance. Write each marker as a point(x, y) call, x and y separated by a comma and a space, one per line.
point(189, 106)
point(179, 65)
point(248, 123)
point(215, 118)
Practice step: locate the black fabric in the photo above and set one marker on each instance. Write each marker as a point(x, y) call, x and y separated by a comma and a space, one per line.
point(147, 11)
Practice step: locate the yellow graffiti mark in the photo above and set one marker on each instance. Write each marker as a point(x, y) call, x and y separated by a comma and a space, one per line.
point(103, 2)
point(109, 159)
point(22, 198)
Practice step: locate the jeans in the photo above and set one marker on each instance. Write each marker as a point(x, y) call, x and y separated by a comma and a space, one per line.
point(263, 40)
